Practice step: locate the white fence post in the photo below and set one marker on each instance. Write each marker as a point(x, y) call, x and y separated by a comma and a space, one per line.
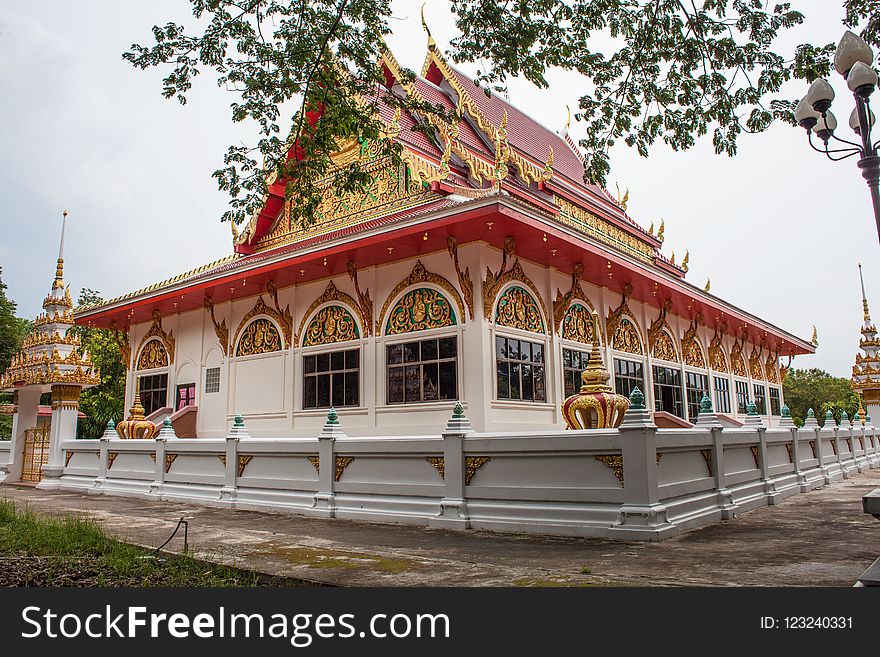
point(453, 508)
point(104, 454)
point(230, 485)
point(325, 498)
point(641, 511)
point(161, 441)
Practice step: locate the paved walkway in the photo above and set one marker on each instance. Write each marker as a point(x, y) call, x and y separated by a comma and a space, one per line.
point(819, 538)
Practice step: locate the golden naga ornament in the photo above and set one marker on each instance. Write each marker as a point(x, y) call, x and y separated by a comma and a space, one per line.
point(717, 361)
point(596, 406)
point(136, 426)
point(737, 362)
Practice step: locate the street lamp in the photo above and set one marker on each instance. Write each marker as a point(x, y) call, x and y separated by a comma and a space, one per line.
point(852, 59)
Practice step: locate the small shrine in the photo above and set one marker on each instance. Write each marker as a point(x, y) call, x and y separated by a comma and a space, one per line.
point(50, 361)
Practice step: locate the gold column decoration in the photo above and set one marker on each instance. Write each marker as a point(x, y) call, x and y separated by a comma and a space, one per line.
point(420, 275)
point(563, 301)
point(439, 464)
point(493, 282)
point(67, 456)
point(660, 341)
point(621, 329)
point(243, 461)
point(332, 293)
point(755, 367)
point(771, 367)
point(169, 459)
point(596, 405)
point(471, 465)
point(316, 463)
point(754, 450)
point(691, 349)
point(156, 331)
point(342, 462)
point(365, 303)
point(220, 329)
point(111, 457)
point(122, 343)
point(65, 397)
point(464, 278)
point(788, 449)
point(615, 462)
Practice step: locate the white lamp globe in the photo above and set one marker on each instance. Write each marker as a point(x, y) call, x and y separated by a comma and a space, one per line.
point(854, 120)
point(805, 115)
point(828, 123)
point(820, 95)
point(851, 49)
point(861, 78)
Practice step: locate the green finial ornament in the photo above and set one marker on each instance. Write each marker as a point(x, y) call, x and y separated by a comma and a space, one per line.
point(636, 400)
point(844, 417)
point(751, 408)
point(239, 421)
point(867, 419)
point(705, 404)
point(786, 411)
point(829, 416)
point(332, 416)
point(111, 425)
point(810, 413)
point(458, 411)
point(167, 423)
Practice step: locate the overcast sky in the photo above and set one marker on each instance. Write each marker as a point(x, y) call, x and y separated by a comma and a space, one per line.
point(778, 229)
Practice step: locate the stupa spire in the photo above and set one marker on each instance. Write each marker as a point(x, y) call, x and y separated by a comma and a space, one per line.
point(59, 267)
point(867, 312)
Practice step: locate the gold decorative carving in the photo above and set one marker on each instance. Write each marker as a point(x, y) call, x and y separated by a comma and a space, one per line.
point(771, 368)
point(518, 309)
point(577, 324)
point(136, 426)
point(66, 397)
point(156, 331)
point(464, 278)
point(421, 275)
point(260, 337)
point(717, 360)
point(471, 465)
point(788, 449)
point(316, 463)
point(563, 302)
point(284, 318)
point(754, 450)
point(660, 339)
point(220, 329)
point(439, 464)
point(243, 460)
point(420, 309)
point(494, 282)
point(604, 231)
point(260, 308)
point(67, 456)
point(153, 355)
point(691, 349)
point(755, 367)
point(615, 462)
point(169, 459)
point(331, 324)
point(341, 464)
point(813, 448)
point(333, 333)
point(707, 457)
point(737, 362)
point(365, 303)
point(621, 328)
point(111, 457)
point(122, 343)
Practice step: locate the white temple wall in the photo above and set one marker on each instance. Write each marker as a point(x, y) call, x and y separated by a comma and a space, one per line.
point(268, 388)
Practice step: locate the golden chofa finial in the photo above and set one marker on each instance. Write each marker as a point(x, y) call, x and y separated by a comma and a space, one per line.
point(662, 228)
point(567, 120)
point(622, 200)
point(707, 285)
point(687, 257)
point(814, 340)
point(431, 43)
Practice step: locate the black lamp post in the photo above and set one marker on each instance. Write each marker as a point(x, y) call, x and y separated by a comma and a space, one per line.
point(852, 59)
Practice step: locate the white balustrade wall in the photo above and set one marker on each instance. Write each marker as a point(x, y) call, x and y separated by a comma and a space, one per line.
point(636, 482)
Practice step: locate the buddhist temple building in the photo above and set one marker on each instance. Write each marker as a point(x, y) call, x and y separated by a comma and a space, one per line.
point(866, 370)
point(468, 272)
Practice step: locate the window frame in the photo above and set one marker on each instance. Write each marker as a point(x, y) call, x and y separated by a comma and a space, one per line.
point(335, 347)
point(627, 377)
point(741, 386)
point(777, 412)
point(419, 337)
point(209, 370)
point(691, 402)
point(189, 387)
point(158, 373)
point(724, 388)
point(762, 398)
point(675, 387)
point(532, 339)
point(584, 355)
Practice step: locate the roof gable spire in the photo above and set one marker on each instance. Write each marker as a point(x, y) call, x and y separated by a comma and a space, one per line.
point(59, 268)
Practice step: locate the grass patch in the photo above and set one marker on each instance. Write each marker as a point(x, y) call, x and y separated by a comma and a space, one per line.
point(586, 570)
point(38, 550)
point(316, 558)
